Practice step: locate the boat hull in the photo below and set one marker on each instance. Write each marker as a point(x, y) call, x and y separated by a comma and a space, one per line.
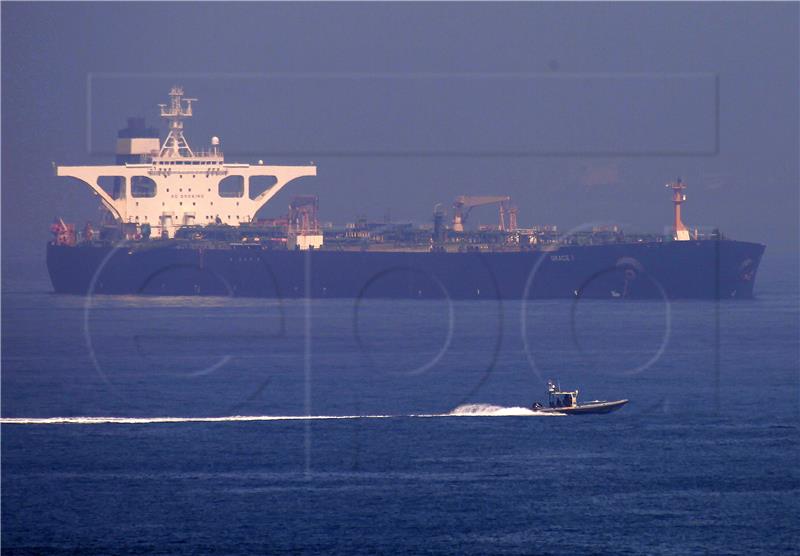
point(591, 408)
point(650, 270)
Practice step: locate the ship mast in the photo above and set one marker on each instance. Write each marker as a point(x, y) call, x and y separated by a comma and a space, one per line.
point(175, 145)
point(678, 197)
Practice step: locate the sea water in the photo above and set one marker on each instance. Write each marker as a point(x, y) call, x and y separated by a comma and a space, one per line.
point(229, 426)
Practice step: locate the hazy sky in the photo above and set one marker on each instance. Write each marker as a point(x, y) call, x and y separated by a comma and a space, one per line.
point(580, 112)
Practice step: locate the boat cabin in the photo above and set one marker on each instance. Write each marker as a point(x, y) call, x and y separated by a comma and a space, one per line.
point(557, 398)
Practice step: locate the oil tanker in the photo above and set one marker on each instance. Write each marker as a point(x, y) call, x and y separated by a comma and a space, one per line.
point(180, 221)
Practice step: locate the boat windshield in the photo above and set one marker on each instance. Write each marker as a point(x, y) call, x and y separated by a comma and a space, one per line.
point(561, 400)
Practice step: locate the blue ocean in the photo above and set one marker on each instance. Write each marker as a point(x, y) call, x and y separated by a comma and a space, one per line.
point(190, 425)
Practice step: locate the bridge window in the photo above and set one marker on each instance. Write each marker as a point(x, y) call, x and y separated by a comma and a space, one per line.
point(260, 184)
point(232, 186)
point(114, 186)
point(142, 186)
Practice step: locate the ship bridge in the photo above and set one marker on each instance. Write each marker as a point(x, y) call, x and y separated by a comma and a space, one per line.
point(169, 185)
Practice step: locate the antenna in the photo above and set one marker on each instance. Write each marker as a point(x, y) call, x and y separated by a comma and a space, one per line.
point(175, 144)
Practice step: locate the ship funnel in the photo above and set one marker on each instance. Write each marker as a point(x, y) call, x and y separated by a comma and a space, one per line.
point(136, 141)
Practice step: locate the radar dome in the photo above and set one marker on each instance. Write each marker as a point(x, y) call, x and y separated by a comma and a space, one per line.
point(215, 141)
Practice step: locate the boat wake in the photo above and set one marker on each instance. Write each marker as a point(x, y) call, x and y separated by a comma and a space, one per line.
point(150, 420)
point(488, 410)
point(468, 410)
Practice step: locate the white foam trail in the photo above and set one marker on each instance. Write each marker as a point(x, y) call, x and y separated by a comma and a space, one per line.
point(468, 410)
point(149, 420)
point(488, 410)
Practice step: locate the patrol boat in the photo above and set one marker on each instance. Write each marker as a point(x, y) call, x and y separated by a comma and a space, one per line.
point(560, 401)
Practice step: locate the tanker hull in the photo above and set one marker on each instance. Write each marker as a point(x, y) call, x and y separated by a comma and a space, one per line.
point(706, 269)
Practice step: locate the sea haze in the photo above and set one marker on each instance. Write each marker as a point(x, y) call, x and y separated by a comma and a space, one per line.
point(164, 425)
point(138, 424)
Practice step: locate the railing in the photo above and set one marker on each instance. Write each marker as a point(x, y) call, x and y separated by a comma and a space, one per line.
point(165, 171)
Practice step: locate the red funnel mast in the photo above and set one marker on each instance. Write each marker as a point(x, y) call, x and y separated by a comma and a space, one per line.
point(678, 197)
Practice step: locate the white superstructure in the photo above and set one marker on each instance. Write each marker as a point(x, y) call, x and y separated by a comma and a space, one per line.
point(175, 186)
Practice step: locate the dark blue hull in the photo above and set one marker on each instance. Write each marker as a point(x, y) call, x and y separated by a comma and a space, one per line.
point(591, 408)
point(693, 269)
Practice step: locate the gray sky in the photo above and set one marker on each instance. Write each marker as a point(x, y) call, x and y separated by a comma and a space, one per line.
point(580, 112)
